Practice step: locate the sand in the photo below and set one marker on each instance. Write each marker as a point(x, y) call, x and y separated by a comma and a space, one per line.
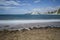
point(34, 34)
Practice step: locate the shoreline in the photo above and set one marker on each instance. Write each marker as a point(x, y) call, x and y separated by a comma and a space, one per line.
point(18, 26)
point(26, 24)
point(29, 21)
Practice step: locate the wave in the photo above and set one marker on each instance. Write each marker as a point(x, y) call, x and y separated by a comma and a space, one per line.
point(29, 21)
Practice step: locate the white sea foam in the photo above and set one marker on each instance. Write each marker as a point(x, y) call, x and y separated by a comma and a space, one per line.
point(28, 21)
point(21, 24)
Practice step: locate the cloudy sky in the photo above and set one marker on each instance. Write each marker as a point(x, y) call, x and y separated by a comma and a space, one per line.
point(25, 6)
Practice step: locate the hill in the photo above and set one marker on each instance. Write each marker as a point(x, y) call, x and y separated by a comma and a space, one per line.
point(48, 12)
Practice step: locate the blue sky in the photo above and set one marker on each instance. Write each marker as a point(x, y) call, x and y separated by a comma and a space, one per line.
point(25, 6)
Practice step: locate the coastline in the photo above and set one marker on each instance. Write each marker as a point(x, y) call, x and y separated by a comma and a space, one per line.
point(26, 24)
point(30, 29)
point(30, 21)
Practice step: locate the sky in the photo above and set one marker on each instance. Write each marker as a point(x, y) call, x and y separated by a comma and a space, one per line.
point(26, 6)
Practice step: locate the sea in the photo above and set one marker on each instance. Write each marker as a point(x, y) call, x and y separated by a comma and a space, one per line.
point(28, 17)
point(15, 22)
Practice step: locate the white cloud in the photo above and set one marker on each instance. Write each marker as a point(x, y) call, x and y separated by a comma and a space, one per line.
point(6, 7)
point(4, 2)
point(37, 1)
point(8, 4)
point(11, 3)
point(12, 10)
point(44, 10)
point(15, 10)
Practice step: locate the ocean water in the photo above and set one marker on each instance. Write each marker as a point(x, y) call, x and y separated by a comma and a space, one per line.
point(23, 21)
point(28, 17)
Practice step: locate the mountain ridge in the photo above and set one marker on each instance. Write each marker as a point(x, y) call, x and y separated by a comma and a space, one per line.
point(57, 12)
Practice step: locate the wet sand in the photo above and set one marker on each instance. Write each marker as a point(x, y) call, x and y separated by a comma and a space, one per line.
point(34, 34)
point(17, 26)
